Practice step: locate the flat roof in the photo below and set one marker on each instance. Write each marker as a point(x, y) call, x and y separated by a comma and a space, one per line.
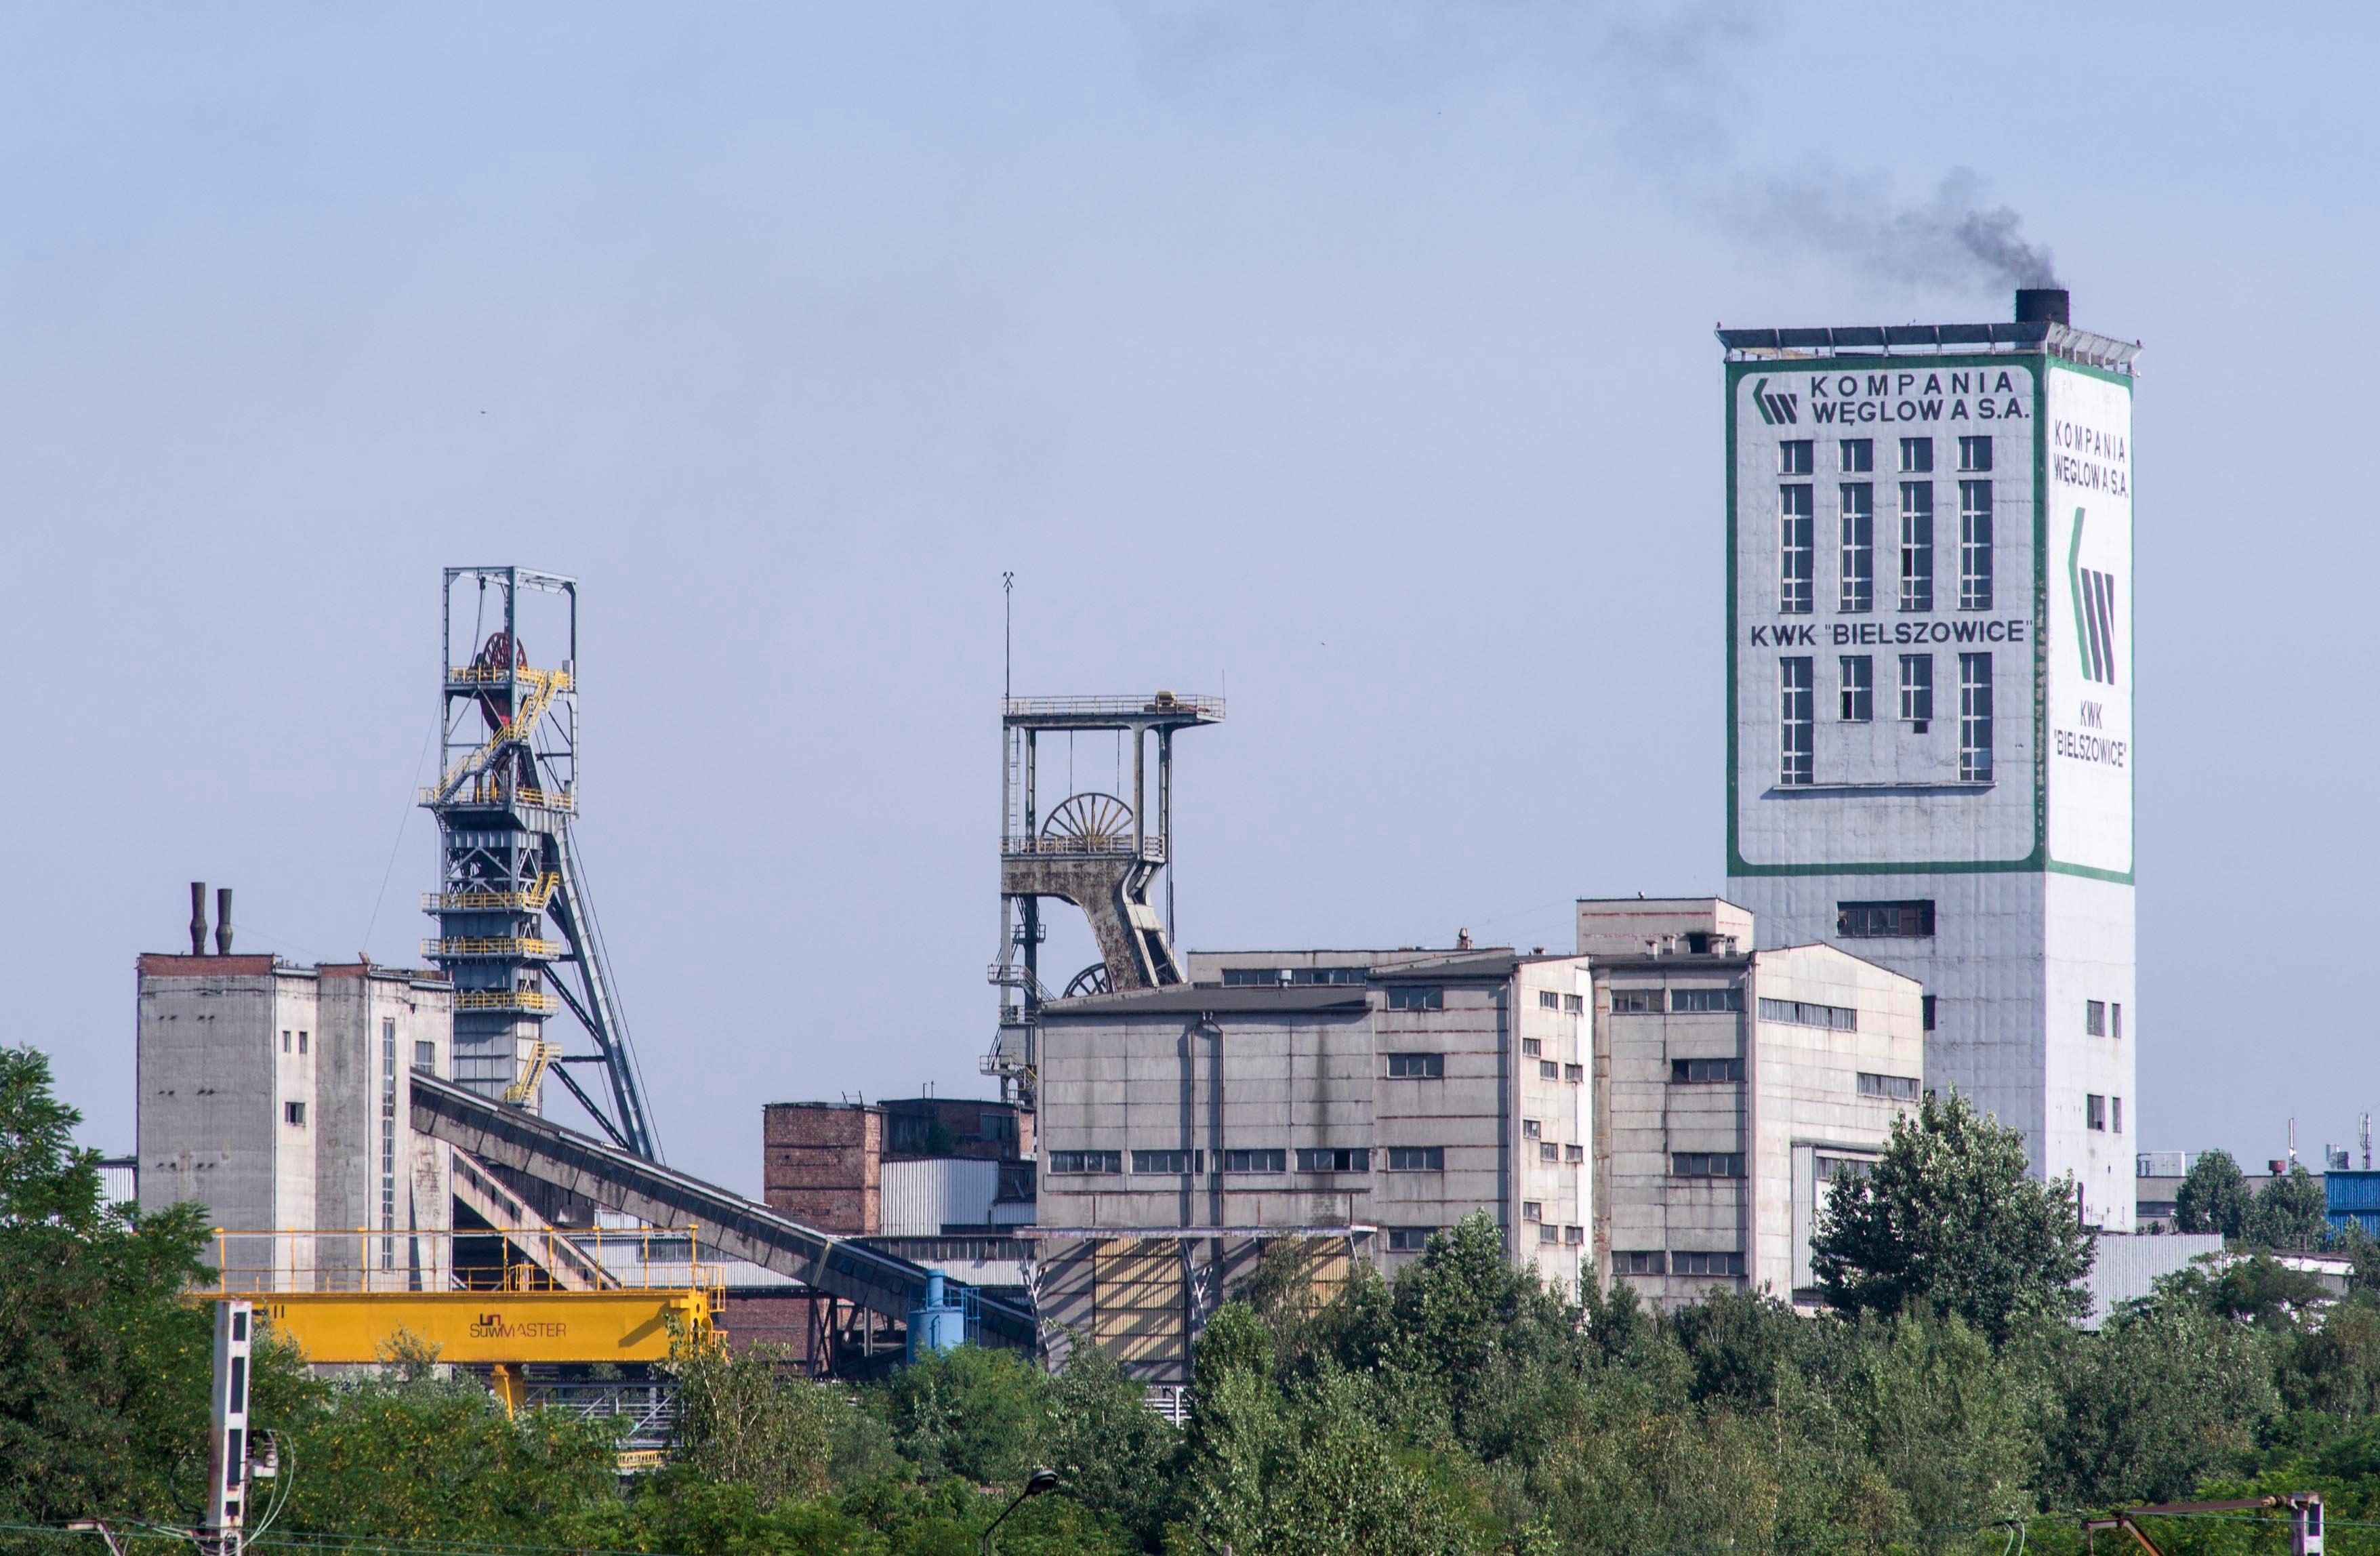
point(1205, 998)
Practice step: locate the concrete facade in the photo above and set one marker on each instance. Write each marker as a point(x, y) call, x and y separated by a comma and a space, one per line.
point(1393, 1099)
point(1930, 694)
point(1731, 1086)
point(278, 1097)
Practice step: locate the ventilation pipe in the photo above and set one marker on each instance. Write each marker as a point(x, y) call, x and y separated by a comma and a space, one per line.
point(2042, 305)
point(223, 921)
point(198, 918)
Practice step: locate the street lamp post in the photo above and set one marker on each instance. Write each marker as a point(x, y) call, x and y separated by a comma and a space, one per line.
point(1041, 1480)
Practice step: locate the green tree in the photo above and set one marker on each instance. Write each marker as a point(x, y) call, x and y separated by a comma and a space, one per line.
point(2214, 1196)
point(979, 1413)
point(2291, 1213)
point(741, 1421)
point(103, 1366)
point(1115, 1455)
point(1950, 1216)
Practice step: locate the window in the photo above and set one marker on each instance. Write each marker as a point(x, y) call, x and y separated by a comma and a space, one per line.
point(1243, 977)
point(1916, 545)
point(1416, 999)
point(425, 1058)
point(1916, 456)
point(1793, 457)
point(1918, 690)
point(1531, 1048)
point(1833, 1167)
point(1416, 1066)
point(1975, 454)
point(2094, 1017)
point(1532, 1129)
point(387, 1140)
point(1085, 1161)
point(1575, 1005)
point(1803, 1012)
point(1416, 1158)
point(1573, 1235)
point(1857, 456)
point(1974, 545)
point(1706, 1264)
point(1796, 543)
point(1698, 1072)
point(1974, 718)
point(1574, 1074)
point(301, 1042)
point(1548, 1233)
point(1260, 1161)
point(1574, 1153)
point(1857, 673)
point(1636, 1001)
point(1548, 1150)
point(1794, 717)
point(2118, 1104)
point(1856, 556)
point(2116, 1016)
point(1693, 1000)
point(1633, 1262)
point(1334, 1159)
point(285, 1042)
point(1409, 1239)
point(1925, 1006)
point(1548, 1070)
point(1532, 1209)
point(2094, 1112)
point(1899, 1088)
point(295, 1112)
point(1911, 918)
point(1706, 1164)
point(1169, 1161)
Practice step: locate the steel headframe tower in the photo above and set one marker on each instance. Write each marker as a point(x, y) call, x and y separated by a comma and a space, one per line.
point(1092, 849)
point(507, 790)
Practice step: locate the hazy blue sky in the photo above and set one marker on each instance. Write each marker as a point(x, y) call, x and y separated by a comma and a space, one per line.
point(1357, 354)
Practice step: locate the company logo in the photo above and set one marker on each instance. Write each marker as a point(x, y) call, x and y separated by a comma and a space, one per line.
point(492, 1326)
point(1774, 409)
point(2095, 612)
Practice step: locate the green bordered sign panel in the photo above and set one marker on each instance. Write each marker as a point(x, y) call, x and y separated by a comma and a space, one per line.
point(1929, 566)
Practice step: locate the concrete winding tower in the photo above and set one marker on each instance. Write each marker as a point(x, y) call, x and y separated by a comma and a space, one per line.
point(1098, 851)
point(515, 930)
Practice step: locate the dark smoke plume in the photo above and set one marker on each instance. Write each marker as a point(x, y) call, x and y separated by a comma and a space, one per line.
point(1953, 239)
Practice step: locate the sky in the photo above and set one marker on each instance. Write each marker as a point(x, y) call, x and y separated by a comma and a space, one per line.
point(1351, 360)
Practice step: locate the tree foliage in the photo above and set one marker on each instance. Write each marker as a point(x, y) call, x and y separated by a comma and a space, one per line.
point(2213, 1197)
point(1947, 1217)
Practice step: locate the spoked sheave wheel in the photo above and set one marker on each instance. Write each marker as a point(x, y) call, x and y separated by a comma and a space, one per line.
point(1092, 979)
point(1095, 822)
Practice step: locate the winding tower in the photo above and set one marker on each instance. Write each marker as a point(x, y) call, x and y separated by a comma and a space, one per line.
point(515, 930)
point(1100, 852)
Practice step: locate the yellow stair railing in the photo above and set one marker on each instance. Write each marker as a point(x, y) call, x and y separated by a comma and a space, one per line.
point(541, 1054)
point(542, 685)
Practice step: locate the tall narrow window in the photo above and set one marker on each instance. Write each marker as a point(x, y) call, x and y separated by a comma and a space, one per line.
point(1858, 508)
point(1793, 457)
point(1858, 674)
point(1916, 456)
point(1918, 690)
point(1858, 456)
point(1974, 545)
point(1796, 717)
point(1976, 718)
point(1975, 454)
point(387, 1142)
point(1795, 549)
point(1916, 545)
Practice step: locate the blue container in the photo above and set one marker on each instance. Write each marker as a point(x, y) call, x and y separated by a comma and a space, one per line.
point(938, 1323)
point(2352, 1197)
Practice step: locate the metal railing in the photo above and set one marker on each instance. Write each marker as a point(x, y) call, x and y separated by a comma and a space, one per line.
point(365, 1259)
point(493, 946)
point(1152, 847)
point(486, 793)
point(531, 901)
point(504, 675)
point(1079, 707)
point(507, 999)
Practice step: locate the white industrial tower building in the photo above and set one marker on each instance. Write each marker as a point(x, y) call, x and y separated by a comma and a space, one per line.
point(1930, 697)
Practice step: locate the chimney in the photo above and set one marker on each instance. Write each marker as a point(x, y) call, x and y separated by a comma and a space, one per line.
point(2042, 305)
point(223, 921)
point(198, 918)
point(1463, 940)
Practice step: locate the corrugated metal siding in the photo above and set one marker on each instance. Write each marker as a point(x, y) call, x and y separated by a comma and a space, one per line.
point(921, 1197)
point(2125, 1267)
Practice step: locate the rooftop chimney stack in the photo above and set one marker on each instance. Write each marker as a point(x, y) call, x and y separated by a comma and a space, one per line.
point(223, 921)
point(198, 918)
point(2042, 305)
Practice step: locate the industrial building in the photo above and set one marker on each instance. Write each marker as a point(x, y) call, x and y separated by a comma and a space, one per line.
point(1930, 697)
point(1732, 1088)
